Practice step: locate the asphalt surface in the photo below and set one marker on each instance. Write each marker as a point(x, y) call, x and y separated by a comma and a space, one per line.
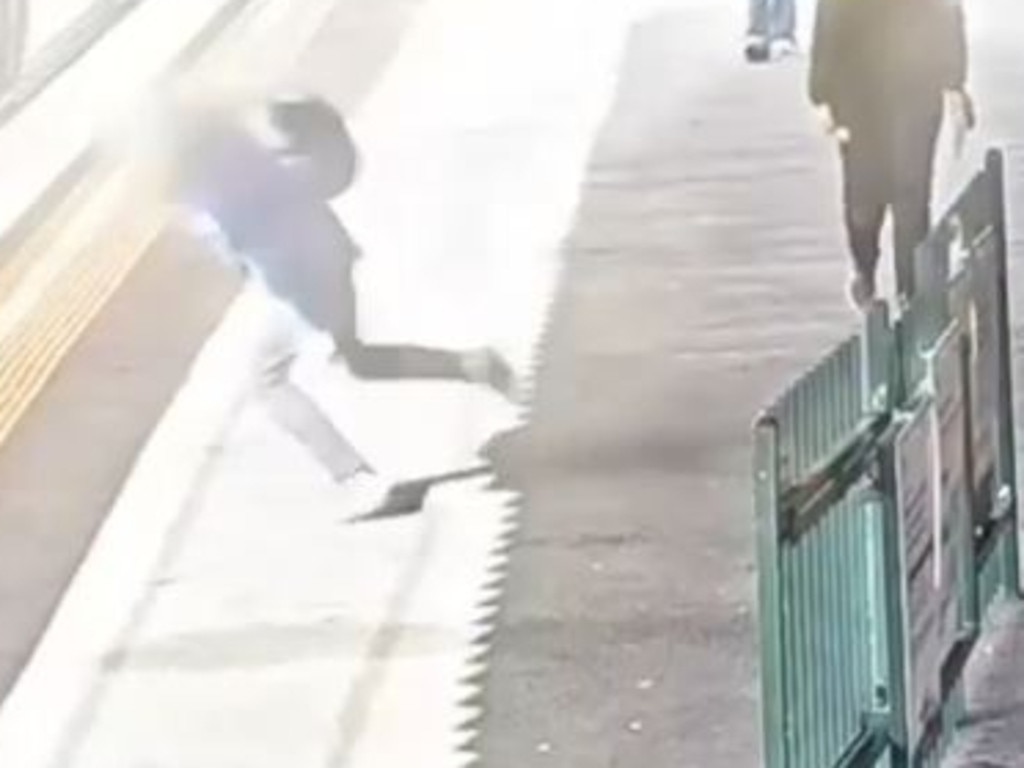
point(66, 461)
point(705, 269)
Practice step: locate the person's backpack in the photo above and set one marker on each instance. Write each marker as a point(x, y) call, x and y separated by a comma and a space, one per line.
point(319, 139)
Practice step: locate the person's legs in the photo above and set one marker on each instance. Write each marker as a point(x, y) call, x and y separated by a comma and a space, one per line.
point(291, 408)
point(864, 217)
point(399, 361)
point(759, 19)
point(406, 361)
point(385, 362)
point(298, 414)
point(368, 493)
point(864, 202)
point(783, 21)
point(758, 45)
point(915, 133)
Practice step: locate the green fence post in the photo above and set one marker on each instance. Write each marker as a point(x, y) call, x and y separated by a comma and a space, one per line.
point(885, 698)
point(1007, 446)
point(882, 379)
point(889, 593)
point(774, 716)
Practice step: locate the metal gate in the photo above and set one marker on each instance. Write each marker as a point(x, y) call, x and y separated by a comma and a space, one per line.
point(886, 506)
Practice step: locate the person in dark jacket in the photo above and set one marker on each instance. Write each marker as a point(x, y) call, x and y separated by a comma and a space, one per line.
point(881, 72)
point(258, 186)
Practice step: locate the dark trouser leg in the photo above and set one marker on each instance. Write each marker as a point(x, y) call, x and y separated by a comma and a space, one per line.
point(864, 199)
point(914, 134)
point(389, 361)
point(393, 361)
point(397, 362)
point(758, 46)
point(407, 361)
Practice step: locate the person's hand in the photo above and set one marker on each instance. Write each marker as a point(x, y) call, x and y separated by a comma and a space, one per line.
point(960, 108)
point(963, 104)
point(827, 120)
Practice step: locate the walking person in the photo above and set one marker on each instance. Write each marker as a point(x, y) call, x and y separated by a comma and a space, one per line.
point(771, 29)
point(260, 185)
point(882, 75)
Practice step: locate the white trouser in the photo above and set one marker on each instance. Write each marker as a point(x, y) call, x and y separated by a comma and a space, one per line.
point(283, 333)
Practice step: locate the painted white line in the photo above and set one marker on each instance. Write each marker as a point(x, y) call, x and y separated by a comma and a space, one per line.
point(39, 711)
point(67, 244)
point(48, 19)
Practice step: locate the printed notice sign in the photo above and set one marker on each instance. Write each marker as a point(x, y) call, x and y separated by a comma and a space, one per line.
point(951, 518)
point(916, 492)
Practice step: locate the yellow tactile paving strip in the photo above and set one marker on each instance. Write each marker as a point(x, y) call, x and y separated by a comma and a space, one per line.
point(34, 348)
point(14, 267)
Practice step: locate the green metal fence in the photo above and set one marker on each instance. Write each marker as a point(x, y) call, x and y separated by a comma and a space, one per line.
point(886, 509)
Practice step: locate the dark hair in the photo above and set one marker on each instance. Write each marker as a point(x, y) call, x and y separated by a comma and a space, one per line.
point(316, 132)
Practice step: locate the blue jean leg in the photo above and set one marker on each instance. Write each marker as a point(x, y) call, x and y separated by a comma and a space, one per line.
point(784, 20)
point(759, 18)
point(772, 19)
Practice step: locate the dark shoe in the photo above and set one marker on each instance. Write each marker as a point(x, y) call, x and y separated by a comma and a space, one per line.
point(398, 500)
point(757, 50)
point(408, 497)
point(404, 499)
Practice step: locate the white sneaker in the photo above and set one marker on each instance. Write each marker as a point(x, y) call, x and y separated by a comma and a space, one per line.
point(784, 47)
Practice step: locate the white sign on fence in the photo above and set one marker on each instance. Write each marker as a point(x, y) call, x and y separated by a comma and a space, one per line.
point(951, 518)
point(922, 599)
